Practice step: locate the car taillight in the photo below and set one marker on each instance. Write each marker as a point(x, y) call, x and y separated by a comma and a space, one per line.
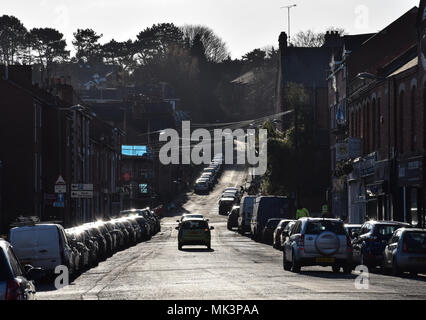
point(206, 229)
point(404, 247)
point(348, 242)
point(301, 242)
point(13, 290)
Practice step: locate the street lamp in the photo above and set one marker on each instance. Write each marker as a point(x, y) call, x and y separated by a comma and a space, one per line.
point(288, 13)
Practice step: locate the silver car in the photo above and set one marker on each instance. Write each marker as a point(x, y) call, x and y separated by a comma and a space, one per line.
point(318, 241)
point(405, 251)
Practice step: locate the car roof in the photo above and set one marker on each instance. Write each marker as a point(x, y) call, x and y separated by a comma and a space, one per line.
point(319, 219)
point(227, 199)
point(388, 222)
point(353, 225)
point(195, 219)
point(413, 229)
point(41, 225)
point(4, 244)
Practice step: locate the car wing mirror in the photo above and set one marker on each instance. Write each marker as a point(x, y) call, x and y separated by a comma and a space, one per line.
point(36, 274)
point(211, 228)
point(354, 234)
point(177, 228)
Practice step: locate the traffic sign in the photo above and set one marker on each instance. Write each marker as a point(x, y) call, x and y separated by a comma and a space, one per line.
point(82, 194)
point(82, 187)
point(60, 180)
point(60, 188)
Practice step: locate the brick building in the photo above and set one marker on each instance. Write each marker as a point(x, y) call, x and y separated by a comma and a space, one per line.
point(46, 135)
point(382, 132)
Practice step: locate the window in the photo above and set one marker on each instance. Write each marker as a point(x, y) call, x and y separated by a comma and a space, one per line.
point(296, 228)
point(317, 227)
point(16, 267)
point(401, 122)
point(413, 119)
point(367, 128)
point(378, 123)
point(192, 224)
point(373, 125)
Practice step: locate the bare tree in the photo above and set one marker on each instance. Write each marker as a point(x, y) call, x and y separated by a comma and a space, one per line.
point(309, 38)
point(215, 48)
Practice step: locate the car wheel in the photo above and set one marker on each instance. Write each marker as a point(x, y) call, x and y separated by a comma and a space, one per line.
point(295, 267)
point(179, 246)
point(395, 270)
point(347, 269)
point(336, 269)
point(209, 246)
point(413, 274)
point(286, 264)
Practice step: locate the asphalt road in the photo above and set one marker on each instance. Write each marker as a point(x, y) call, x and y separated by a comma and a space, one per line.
point(235, 268)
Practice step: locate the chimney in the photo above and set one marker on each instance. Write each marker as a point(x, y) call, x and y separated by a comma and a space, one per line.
point(282, 40)
point(332, 39)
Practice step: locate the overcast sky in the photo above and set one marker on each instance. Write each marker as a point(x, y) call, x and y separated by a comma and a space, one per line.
point(243, 24)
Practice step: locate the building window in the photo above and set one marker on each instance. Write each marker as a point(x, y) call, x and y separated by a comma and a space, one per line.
point(401, 122)
point(413, 119)
point(378, 123)
point(373, 125)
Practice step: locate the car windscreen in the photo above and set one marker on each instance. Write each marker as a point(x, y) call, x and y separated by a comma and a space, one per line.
point(5, 272)
point(385, 231)
point(272, 224)
point(193, 225)
point(415, 242)
point(317, 227)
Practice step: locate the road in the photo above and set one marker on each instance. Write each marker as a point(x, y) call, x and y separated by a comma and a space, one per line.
point(235, 268)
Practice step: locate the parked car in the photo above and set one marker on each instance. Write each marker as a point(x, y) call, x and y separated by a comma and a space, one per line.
point(109, 237)
point(373, 237)
point(119, 235)
point(201, 185)
point(225, 205)
point(285, 233)
point(267, 233)
point(276, 237)
point(246, 212)
point(265, 208)
point(92, 245)
point(143, 225)
point(318, 241)
point(233, 218)
point(126, 235)
point(75, 256)
point(16, 282)
point(194, 231)
point(96, 235)
point(42, 245)
point(137, 229)
point(405, 252)
point(353, 229)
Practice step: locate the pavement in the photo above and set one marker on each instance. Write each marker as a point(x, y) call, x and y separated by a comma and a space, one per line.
point(235, 268)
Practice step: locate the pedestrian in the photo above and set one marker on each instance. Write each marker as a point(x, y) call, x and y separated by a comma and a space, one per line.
point(325, 212)
point(302, 212)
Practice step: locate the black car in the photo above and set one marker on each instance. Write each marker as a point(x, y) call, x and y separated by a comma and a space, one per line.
point(97, 236)
point(371, 241)
point(233, 218)
point(15, 281)
point(225, 205)
point(268, 230)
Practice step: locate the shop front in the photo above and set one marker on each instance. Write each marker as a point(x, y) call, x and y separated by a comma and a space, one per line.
point(411, 192)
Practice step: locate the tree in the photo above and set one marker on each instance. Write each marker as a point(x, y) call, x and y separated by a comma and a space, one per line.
point(87, 46)
point(154, 42)
point(309, 38)
point(12, 38)
point(255, 58)
point(215, 48)
point(119, 53)
point(49, 46)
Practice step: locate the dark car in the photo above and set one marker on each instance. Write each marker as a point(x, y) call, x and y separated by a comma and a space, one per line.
point(225, 205)
point(285, 233)
point(276, 238)
point(93, 247)
point(96, 235)
point(109, 237)
point(143, 225)
point(268, 230)
point(233, 218)
point(76, 241)
point(373, 237)
point(126, 235)
point(15, 281)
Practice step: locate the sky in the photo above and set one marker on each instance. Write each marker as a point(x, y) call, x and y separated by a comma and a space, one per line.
point(243, 24)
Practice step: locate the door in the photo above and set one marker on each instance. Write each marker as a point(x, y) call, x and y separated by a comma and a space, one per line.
point(49, 255)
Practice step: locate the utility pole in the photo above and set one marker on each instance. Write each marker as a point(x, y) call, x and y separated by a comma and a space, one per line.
point(288, 17)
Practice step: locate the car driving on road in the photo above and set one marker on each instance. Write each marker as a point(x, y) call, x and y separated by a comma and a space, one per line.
point(194, 231)
point(318, 241)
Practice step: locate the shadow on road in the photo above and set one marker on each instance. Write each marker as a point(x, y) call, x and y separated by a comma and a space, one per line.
point(327, 274)
point(197, 250)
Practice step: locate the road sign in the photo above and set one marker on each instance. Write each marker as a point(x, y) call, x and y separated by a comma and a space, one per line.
point(82, 187)
point(82, 194)
point(59, 204)
point(60, 181)
point(60, 188)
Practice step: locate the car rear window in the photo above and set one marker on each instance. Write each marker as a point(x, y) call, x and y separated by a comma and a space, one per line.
point(415, 242)
point(194, 225)
point(317, 227)
point(385, 230)
point(5, 272)
point(273, 223)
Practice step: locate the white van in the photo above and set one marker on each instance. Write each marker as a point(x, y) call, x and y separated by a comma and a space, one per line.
point(41, 245)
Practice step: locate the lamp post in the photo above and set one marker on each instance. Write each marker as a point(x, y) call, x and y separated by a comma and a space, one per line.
point(288, 15)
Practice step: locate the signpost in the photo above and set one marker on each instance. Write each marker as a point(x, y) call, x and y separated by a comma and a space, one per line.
point(82, 190)
point(60, 190)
